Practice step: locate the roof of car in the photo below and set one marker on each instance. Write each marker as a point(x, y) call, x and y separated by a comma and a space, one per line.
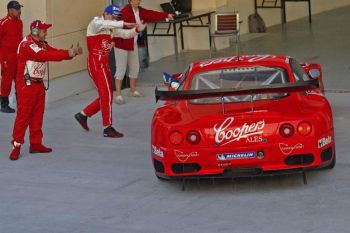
point(244, 60)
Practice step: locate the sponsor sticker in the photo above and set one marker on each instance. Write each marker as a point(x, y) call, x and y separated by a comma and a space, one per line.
point(224, 164)
point(256, 139)
point(287, 149)
point(216, 61)
point(324, 141)
point(225, 134)
point(35, 47)
point(240, 155)
point(157, 151)
point(183, 157)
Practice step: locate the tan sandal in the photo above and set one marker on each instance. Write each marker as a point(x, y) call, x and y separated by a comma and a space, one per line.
point(135, 94)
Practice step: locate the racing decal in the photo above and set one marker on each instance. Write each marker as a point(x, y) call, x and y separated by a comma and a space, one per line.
point(258, 57)
point(249, 58)
point(254, 139)
point(240, 155)
point(157, 151)
point(183, 157)
point(224, 164)
point(308, 92)
point(224, 136)
point(106, 45)
point(35, 47)
point(287, 149)
point(324, 141)
point(35, 69)
point(216, 61)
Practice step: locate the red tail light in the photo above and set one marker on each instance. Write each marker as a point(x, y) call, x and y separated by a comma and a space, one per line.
point(286, 130)
point(176, 138)
point(193, 137)
point(304, 128)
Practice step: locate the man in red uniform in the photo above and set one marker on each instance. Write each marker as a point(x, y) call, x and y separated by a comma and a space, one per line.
point(99, 42)
point(11, 34)
point(33, 54)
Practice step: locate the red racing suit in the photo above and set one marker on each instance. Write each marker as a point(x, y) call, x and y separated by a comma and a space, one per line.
point(11, 34)
point(99, 43)
point(32, 58)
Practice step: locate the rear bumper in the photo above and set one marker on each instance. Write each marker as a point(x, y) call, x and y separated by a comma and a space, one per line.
point(244, 173)
point(194, 162)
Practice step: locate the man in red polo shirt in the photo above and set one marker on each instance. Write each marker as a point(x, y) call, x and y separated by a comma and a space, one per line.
point(11, 34)
point(33, 54)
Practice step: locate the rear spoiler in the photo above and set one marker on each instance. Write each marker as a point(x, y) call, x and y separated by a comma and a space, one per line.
point(273, 88)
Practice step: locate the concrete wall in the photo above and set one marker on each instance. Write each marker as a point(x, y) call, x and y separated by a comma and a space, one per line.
point(69, 27)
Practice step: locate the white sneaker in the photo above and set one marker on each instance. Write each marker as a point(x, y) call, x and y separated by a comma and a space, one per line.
point(119, 99)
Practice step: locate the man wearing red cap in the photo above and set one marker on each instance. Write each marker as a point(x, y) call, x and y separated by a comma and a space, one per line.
point(33, 53)
point(99, 42)
point(11, 34)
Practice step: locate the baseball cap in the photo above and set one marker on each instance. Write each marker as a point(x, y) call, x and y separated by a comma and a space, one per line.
point(14, 5)
point(40, 25)
point(113, 10)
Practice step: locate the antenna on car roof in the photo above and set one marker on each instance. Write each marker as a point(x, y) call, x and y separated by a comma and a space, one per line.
point(238, 58)
point(223, 105)
point(251, 103)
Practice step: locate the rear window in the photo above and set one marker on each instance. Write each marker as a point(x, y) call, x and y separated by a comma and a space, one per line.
point(237, 78)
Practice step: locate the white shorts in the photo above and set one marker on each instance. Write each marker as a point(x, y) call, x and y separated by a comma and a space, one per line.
point(123, 58)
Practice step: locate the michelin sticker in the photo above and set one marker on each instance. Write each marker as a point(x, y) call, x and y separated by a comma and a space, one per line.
point(230, 156)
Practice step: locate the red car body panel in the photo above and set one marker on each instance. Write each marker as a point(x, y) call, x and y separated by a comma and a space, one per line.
point(234, 135)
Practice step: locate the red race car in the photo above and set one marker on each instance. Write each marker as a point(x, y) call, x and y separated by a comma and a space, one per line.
point(242, 116)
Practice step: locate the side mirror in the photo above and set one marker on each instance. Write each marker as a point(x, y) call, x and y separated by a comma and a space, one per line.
point(170, 81)
point(314, 73)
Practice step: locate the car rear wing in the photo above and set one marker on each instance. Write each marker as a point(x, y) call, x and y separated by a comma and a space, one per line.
point(273, 88)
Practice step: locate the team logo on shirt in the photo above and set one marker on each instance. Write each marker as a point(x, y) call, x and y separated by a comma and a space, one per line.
point(106, 45)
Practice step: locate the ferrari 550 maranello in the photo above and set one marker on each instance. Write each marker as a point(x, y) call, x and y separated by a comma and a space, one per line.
point(259, 114)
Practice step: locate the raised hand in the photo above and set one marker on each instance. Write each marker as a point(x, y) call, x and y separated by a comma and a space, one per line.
point(71, 51)
point(170, 17)
point(79, 49)
point(74, 51)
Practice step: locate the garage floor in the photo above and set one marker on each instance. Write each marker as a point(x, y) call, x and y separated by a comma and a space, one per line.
point(92, 184)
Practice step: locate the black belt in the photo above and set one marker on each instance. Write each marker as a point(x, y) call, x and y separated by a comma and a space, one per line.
point(36, 80)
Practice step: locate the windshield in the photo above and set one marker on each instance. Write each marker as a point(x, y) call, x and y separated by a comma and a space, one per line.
point(240, 77)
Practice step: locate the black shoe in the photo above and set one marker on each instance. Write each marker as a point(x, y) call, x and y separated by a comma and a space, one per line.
point(7, 109)
point(82, 120)
point(5, 105)
point(112, 133)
